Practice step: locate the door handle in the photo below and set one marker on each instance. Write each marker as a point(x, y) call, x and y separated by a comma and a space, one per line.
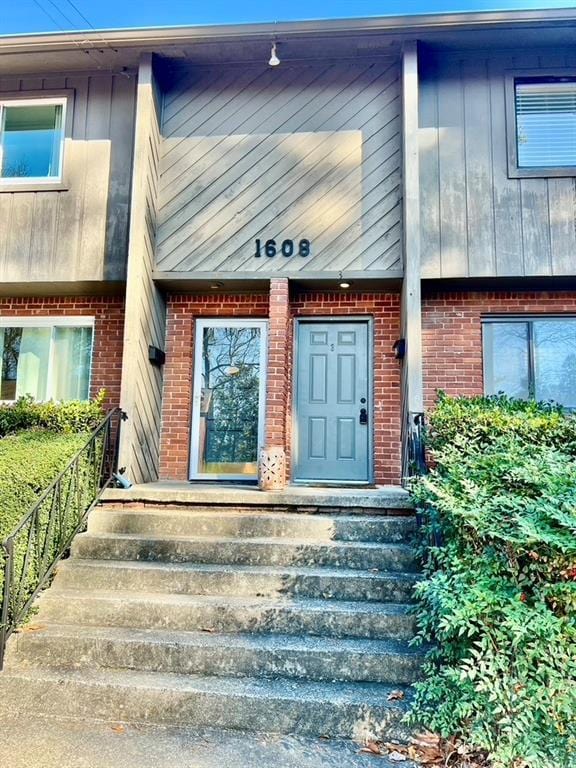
point(363, 416)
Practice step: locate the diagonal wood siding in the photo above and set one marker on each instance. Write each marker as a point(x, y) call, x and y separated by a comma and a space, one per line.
point(308, 151)
point(141, 395)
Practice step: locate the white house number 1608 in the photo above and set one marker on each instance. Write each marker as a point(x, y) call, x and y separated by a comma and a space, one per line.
point(288, 248)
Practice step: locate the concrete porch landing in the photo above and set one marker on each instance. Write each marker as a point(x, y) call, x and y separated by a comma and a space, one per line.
point(169, 492)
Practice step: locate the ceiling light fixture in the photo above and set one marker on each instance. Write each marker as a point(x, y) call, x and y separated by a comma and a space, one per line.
point(274, 60)
point(343, 283)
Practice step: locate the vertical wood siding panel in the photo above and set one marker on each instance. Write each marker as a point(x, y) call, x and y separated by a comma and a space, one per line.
point(536, 227)
point(43, 235)
point(61, 235)
point(19, 235)
point(452, 164)
point(121, 134)
point(429, 179)
point(479, 182)
point(506, 191)
point(504, 226)
point(562, 207)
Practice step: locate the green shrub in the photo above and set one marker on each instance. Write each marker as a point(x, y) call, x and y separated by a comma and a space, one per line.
point(499, 599)
point(29, 461)
point(69, 416)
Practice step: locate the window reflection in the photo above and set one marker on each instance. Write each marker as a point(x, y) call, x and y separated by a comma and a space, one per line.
point(506, 359)
point(229, 406)
point(555, 361)
point(532, 358)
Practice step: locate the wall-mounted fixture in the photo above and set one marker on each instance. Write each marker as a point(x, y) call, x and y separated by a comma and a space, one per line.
point(342, 282)
point(216, 284)
point(156, 356)
point(274, 60)
point(399, 348)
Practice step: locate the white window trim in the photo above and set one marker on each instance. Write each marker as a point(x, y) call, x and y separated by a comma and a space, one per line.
point(234, 322)
point(15, 181)
point(46, 321)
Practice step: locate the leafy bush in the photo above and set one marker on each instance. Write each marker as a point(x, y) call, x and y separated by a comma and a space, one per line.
point(68, 417)
point(29, 462)
point(499, 599)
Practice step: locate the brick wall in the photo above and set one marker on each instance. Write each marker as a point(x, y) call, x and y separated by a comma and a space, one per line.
point(452, 333)
point(177, 399)
point(108, 314)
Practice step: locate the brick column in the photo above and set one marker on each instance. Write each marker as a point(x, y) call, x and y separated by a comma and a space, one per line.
point(278, 384)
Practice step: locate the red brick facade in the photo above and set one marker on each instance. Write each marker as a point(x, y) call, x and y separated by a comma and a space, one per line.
point(281, 310)
point(108, 314)
point(452, 333)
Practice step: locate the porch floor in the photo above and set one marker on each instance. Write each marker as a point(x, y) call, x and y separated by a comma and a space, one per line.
point(166, 492)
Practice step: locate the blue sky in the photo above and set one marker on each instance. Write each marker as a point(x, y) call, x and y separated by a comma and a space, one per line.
point(54, 15)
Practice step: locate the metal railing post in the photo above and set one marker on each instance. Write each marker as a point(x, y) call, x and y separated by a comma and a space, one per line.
point(8, 547)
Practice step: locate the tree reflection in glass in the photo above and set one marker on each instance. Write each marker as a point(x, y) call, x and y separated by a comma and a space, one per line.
point(230, 400)
point(555, 361)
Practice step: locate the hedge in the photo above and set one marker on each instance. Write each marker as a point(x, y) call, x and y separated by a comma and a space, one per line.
point(29, 461)
point(499, 599)
point(68, 417)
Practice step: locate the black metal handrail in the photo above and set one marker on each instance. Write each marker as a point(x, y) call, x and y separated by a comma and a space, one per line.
point(35, 546)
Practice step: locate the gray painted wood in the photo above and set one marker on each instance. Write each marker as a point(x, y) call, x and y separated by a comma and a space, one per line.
point(411, 319)
point(476, 221)
point(301, 151)
point(141, 395)
point(79, 233)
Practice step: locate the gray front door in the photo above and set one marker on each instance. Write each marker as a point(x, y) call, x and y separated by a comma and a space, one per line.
point(332, 402)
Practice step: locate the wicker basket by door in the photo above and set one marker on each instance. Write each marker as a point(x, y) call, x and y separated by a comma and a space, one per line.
point(272, 469)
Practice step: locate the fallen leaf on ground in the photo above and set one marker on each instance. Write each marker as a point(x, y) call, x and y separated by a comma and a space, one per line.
point(372, 748)
point(118, 728)
point(33, 628)
point(207, 629)
point(396, 695)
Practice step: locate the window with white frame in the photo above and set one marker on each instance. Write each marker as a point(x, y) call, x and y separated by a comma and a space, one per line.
point(531, 358)
point(31, 140)
point(46, 358)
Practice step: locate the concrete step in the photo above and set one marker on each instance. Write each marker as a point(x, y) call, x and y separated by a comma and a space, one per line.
point(189, 521)
point(240, 580)
point(221, 655)
point(255, 551)
point(331, 618)
point(347, 710)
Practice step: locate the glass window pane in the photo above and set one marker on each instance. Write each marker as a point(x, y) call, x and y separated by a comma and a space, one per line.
point(506, 361)
point(10, 347)
point(71, 363)
point(546, 124)
point(32, 364)
point(229, 409)
point(555, 361)
point(31, 141)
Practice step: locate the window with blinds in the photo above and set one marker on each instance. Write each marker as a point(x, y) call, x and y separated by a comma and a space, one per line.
point(545, 123)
